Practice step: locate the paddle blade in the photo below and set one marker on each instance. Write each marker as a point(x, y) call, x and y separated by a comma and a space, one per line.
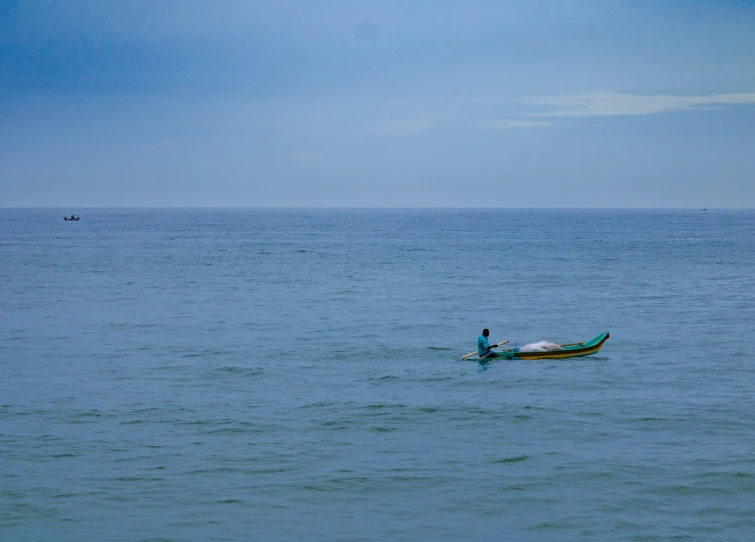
point(473, 353)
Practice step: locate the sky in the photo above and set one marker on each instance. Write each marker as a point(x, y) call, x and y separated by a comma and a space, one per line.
point(383, 103)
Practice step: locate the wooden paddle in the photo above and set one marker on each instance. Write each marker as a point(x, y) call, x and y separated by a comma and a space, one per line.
point(473, 353)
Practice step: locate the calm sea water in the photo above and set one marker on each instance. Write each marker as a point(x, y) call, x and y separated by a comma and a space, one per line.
point(294, 375)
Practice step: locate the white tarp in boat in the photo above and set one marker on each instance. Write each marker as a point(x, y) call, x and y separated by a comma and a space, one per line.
point(542, 346)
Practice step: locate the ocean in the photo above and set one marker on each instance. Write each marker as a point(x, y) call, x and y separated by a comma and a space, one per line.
point(294, 374)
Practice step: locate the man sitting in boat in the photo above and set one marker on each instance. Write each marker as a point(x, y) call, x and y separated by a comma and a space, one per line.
point(483, 346)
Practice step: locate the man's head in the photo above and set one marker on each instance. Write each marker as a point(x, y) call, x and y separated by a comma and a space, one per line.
point(485, 332)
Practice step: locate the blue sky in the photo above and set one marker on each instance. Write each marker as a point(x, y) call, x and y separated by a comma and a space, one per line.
point(380, 103)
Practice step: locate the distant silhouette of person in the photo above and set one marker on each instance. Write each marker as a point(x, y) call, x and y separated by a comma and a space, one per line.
point(483, 346)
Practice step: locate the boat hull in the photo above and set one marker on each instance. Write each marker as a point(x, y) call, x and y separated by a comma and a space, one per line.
point(573, 350)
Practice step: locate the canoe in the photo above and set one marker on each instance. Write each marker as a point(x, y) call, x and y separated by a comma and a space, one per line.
point(571, 350)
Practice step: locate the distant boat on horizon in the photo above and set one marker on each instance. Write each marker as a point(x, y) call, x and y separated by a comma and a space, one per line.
point(71, 218)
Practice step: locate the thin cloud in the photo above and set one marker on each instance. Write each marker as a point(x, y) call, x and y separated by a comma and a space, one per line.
point(508, 124)
point(618, 104)
point(468, 118)
point(464, 122)
point(309, 156)
point(408, 127)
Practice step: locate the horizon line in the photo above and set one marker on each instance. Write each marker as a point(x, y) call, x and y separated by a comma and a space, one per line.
point(270, 207)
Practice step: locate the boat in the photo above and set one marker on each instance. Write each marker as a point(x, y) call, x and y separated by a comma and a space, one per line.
point(72, 218)
point(571, 350)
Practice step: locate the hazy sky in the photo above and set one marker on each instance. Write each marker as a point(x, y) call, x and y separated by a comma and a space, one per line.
point(411, 103)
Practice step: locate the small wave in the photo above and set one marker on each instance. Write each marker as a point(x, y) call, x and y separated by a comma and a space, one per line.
point(139, 479)
point(207, 353)
point(335, 426)
point(320, 404)
point(689, 490)
point(234, 431)
point(544, 526)
point(216, 470)
point(143, 410)
point(384, 429)
point(436, 379)
point(384, 405)
point(241, 371)
point(515, 459)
